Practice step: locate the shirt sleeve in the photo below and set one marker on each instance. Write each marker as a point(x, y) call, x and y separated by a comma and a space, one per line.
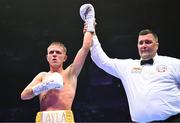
point(177, 72)
point(101, 59)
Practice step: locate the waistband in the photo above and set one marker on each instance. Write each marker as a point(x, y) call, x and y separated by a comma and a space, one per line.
point(58, 116)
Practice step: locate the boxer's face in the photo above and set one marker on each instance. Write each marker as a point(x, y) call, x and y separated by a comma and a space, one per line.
point(56, 55)
point(147, 46)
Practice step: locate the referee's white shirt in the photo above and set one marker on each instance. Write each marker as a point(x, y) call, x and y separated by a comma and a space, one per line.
point(153, 91)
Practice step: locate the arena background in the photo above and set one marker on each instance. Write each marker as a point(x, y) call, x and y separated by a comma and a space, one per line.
point(28, 26)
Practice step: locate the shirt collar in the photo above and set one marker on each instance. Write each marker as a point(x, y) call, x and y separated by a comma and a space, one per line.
point(154, 58)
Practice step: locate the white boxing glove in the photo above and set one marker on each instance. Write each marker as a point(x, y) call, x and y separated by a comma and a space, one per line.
point(53, 81)
point(87, 14)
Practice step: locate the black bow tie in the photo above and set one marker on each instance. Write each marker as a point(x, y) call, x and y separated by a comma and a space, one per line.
point(150, 61)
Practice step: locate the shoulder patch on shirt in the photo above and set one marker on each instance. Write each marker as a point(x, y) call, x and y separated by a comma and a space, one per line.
point(161, 68)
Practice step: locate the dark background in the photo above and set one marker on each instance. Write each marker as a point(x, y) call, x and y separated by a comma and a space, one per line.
point(28, 26)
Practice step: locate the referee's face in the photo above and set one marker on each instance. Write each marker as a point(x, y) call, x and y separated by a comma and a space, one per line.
point(147, 46)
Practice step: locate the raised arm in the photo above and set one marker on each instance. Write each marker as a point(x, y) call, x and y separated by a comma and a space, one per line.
point(82, 54)
point(88, 15)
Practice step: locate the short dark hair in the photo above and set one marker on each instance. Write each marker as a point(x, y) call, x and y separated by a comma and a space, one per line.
point(58, 43)
point(148, 31)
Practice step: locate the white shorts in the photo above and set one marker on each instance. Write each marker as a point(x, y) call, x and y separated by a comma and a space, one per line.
point(59, 116)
